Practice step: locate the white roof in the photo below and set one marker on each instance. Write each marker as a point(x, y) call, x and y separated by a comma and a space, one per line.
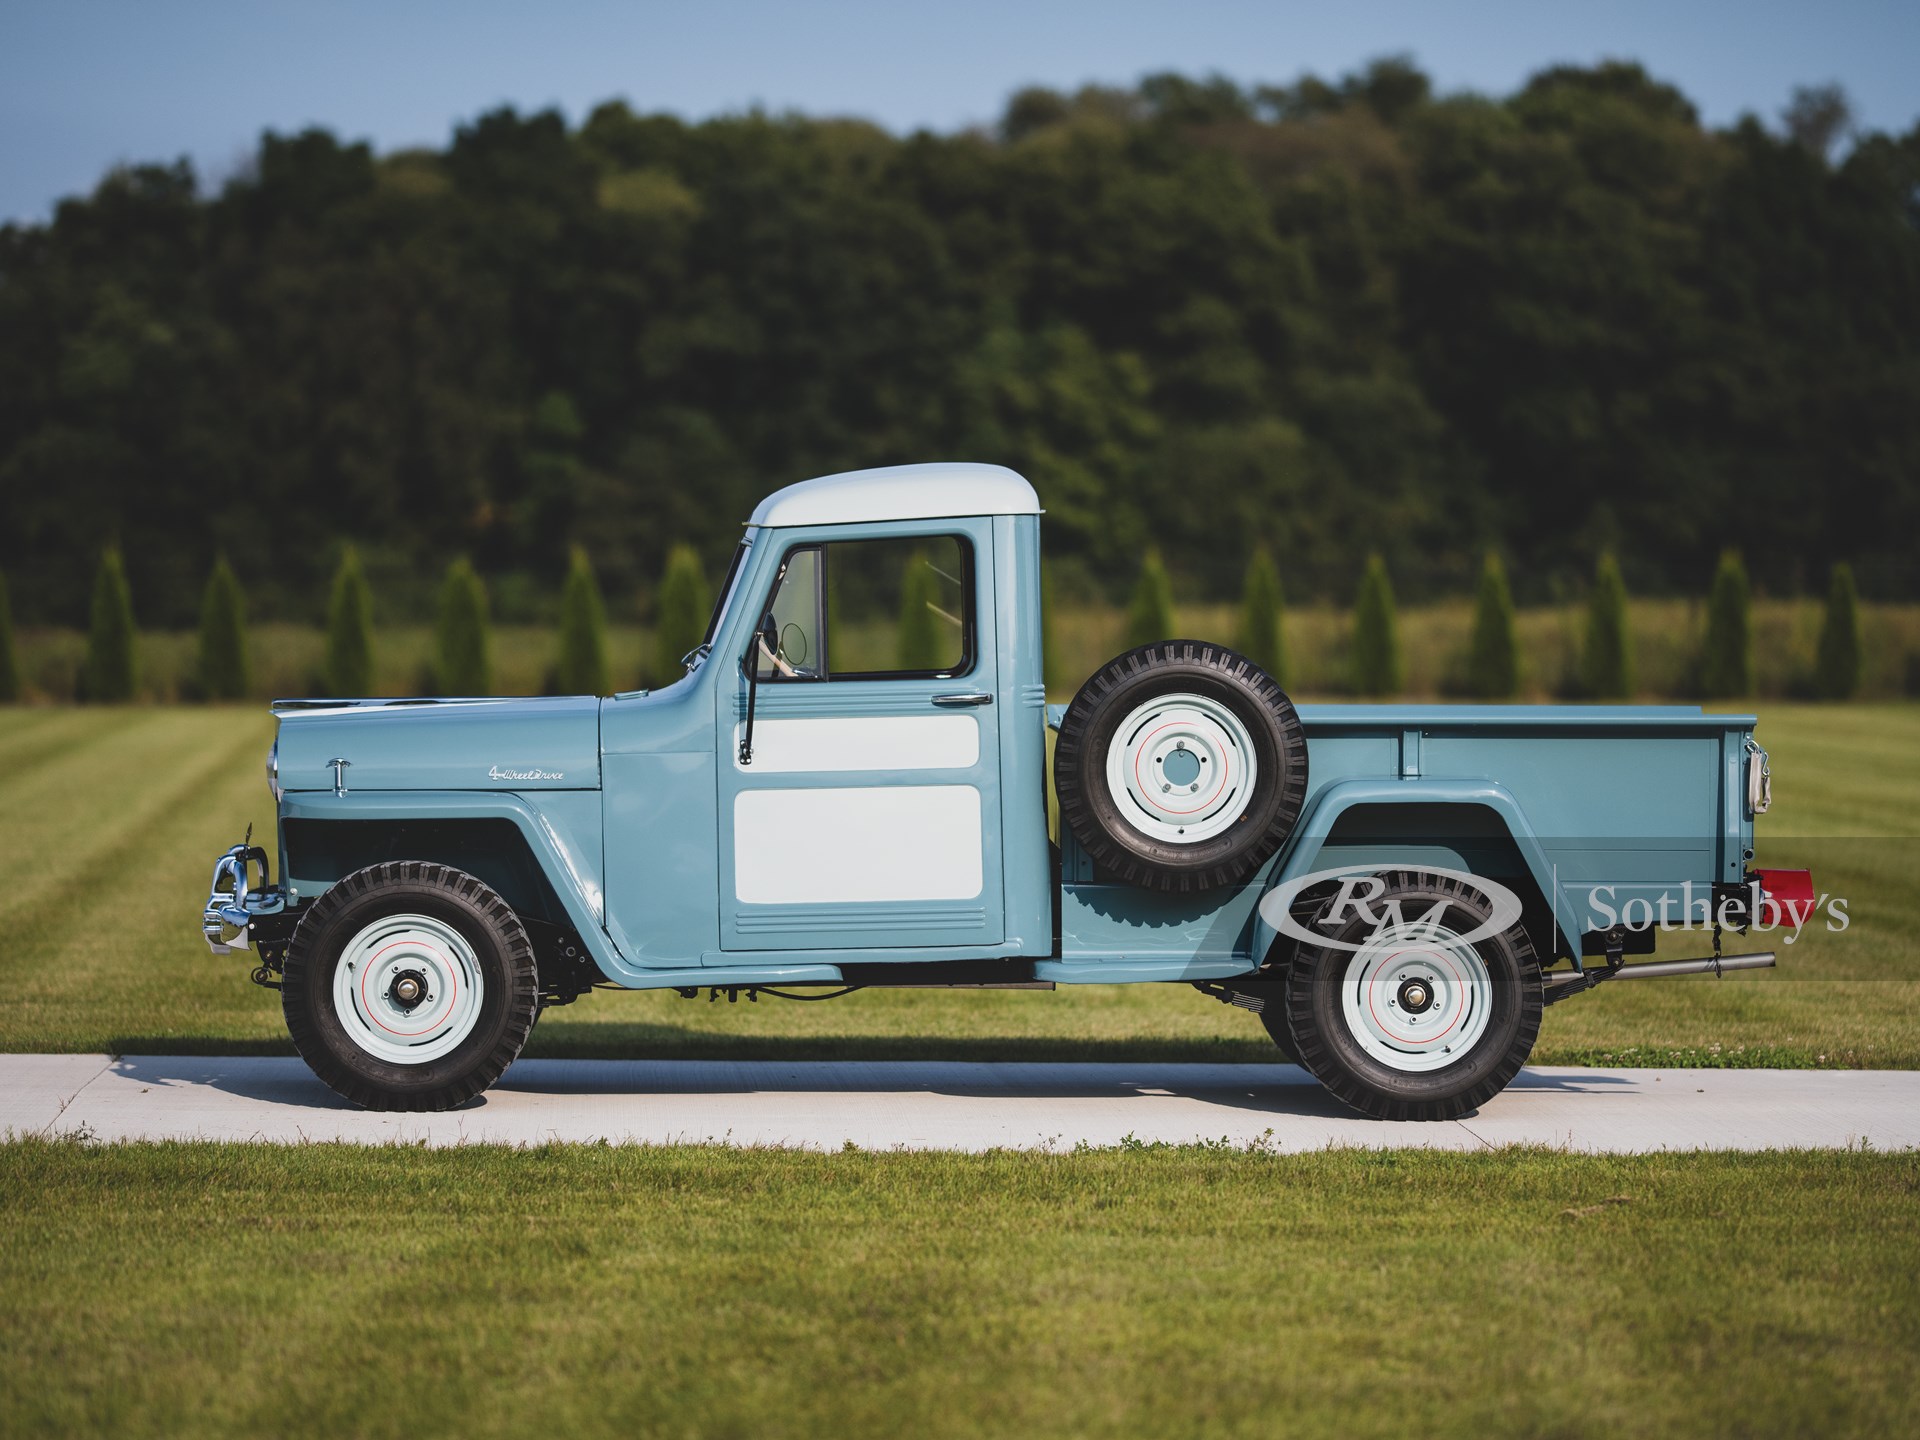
point(900, 492)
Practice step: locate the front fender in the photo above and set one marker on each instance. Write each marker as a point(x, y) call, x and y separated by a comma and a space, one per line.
point(565, 846)
point(1309, 838)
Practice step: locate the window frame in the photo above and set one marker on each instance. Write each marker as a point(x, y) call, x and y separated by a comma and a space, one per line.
point(720, 606)
point(969, 612)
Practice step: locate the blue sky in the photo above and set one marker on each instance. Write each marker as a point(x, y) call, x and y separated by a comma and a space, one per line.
point(88, 83)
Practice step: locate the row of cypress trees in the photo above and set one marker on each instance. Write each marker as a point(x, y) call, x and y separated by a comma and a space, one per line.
point(462, 662)
point(462, 659)
point(1492, 672)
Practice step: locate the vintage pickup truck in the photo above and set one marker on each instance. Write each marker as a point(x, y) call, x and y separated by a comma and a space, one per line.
point(849, 788)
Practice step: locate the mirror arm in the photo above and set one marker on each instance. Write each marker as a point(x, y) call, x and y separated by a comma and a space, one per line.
point(753, 691)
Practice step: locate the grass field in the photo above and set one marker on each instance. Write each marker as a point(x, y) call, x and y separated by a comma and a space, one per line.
point(215, 1290)
point(110, 819)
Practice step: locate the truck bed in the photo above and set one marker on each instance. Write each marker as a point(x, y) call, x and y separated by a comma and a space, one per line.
point(1598, 807)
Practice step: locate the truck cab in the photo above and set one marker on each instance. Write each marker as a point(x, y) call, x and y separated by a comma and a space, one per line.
point(849, 787)
point(883, 804)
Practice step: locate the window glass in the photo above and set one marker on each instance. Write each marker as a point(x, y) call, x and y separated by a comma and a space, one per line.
point(866, 609)
point(796, 615)
point(897, 606)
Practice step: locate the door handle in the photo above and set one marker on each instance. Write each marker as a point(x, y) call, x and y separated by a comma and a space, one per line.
point(959, 702)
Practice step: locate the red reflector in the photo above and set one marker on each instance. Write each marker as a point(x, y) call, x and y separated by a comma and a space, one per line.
point(1786, 897)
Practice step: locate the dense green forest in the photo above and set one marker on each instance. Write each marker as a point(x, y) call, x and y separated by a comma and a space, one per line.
point(1331, 318)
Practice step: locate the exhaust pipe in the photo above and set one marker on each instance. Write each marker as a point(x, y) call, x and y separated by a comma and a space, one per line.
point(1565, 986)
point(1706, 964)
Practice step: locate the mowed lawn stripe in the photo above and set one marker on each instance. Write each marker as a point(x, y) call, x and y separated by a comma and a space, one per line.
point(21, 726)
point(26, 750)
point(68, 825)
point(120, 966)
point(1842, 771)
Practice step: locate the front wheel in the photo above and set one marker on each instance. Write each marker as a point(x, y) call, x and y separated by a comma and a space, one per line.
point(409, 986)
point(1413, 1006)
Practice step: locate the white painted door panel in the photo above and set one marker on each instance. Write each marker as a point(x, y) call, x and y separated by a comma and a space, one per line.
point(870, 742)
point(857, 845)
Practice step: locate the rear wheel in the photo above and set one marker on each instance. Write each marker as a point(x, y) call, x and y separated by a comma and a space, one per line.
point(1274, 1017)
point(1409, 1009)
point(409, 986)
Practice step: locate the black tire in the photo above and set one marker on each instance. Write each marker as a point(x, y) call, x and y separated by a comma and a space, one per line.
point(1326, 1046)
point(1274, 1017)
point(501, 950)
point(1089, 731)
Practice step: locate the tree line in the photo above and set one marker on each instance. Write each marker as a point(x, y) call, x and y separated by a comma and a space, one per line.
point(462, 665)
point(1336, 318)
point(1493, 668)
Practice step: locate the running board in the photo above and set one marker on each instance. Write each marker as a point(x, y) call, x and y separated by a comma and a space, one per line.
point(957, 984)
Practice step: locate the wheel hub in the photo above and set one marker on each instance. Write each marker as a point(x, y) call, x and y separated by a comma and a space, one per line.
point(1181, 768)
point(1416, 997)
point(408, 989)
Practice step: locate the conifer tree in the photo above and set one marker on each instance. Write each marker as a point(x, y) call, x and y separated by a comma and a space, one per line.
point(462, 648)
point(1150, 611)
point(680, 617)
point(112, 671)
point(1262, 638)
point(1493, 661)
point(1376, 633)
point(347, 670)
point(582, 668)
point(1607, 659)
point(919, 636)
point(10, 683)
point(223, 664)
point(1726, 668)
point(1839, 665)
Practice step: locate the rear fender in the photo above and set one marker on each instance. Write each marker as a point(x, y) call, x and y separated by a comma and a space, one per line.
point(1303, 853)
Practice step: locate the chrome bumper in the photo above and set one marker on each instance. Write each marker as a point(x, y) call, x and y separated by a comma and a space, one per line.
point(233, 904)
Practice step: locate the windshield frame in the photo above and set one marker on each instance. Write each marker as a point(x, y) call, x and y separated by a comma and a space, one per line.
point(735, 568)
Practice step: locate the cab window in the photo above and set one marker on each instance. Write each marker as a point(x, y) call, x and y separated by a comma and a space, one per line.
point(874, 609)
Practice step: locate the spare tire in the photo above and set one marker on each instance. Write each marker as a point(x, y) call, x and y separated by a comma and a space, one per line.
point(1181, 766)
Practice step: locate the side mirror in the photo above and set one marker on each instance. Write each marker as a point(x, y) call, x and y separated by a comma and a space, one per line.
point(767, 636)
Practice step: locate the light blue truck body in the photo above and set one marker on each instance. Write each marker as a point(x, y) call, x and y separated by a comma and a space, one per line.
point(632, 825)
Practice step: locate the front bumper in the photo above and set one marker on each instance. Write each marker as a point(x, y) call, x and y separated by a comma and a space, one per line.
point(234, 905)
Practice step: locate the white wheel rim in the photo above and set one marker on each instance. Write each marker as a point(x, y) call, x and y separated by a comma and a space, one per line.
point(407, 989)
point(1417, 998)
point(1181, 769)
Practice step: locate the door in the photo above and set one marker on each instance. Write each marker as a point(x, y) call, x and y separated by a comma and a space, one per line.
point(868, 817)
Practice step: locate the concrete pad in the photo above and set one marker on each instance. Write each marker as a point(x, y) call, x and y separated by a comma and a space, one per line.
point(1637, 1110)
point(35, 1089)
point(939, 1105)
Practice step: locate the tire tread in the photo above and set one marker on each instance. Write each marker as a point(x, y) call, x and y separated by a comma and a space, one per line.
point(523, 995)
point(1071, 759)
point(1312, 1051)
